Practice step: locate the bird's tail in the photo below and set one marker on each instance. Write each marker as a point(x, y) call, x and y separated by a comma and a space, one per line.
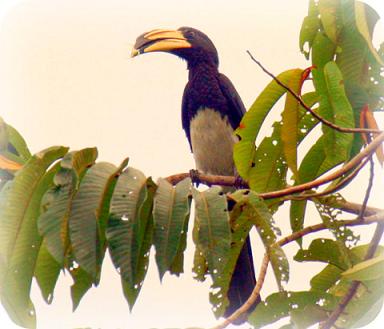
point(242, 283)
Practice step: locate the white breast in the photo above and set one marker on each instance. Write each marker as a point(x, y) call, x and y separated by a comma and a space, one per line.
point(212, 141)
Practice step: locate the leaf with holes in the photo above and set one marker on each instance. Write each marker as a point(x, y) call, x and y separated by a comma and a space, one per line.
point(213, 236)
point(86, 216)
point(19, 238)
point(329, 11)
point(170, 217)
point(129, 231)
point(57, 201)
point(324, 250)
point(309, 28)
point(244, 150)
point(258, 212)
point(280, 305)
point(47, 271)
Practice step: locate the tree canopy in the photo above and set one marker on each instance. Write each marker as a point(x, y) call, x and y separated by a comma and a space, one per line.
point(62, 210)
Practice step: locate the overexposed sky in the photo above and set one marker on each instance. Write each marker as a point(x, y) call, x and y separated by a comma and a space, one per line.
point(66, 78)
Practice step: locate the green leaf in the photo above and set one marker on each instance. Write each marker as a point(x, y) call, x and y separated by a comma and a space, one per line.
point(330, 20)
point(341, 115)
point(270, 169)
point(364, 306)
point(324, 250)
point(296, 215)
point(241, 224)
point(57, 201)
point(129, 232)
point(213, 229)
point(371, 269)
point(244, 150)
point(170, 216)
point(12, 143)
point(19, 238)
point(256, 211)
point(47, 272)
point(366, 19)
point(282, 304)
point(309, 28)
point(84, 217)
point(290, 121)
point(326, 278)
point(82, 282)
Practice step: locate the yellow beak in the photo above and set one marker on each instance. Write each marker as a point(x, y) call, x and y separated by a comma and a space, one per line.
point(159, 40)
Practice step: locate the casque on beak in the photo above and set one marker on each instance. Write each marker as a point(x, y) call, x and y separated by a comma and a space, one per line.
point(159, 40)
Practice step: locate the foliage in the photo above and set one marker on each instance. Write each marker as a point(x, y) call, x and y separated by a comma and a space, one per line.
point(62, 210)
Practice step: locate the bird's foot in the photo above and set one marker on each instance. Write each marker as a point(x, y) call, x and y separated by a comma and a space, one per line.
point(239, 182)
point(195, 177)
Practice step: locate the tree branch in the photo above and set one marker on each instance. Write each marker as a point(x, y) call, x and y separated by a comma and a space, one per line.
point(314, 114)
point(231, 180)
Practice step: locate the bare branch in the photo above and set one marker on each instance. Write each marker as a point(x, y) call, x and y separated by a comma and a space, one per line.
point(314, 114)
point(369, 187)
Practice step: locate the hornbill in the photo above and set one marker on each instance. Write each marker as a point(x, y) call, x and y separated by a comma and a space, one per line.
point(211, 110)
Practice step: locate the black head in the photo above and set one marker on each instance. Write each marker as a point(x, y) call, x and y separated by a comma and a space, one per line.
point(186, 42)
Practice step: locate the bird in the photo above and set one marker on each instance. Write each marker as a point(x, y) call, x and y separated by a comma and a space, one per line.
point(211, 110)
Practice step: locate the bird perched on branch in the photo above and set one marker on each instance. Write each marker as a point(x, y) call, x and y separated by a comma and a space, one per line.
point(211, 111)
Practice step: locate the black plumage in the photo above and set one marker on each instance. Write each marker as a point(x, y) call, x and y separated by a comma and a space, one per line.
point(211, 110)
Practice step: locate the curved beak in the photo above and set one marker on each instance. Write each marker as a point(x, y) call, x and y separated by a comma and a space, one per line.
point(159, 40)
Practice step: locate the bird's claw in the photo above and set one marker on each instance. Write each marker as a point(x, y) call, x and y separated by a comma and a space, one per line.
point(195, 178)
point(239, 182)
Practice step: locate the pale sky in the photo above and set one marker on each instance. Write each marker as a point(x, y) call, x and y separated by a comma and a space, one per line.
point(66, 78)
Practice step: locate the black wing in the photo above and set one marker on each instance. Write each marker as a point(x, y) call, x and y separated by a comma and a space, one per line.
point(237, 108)
point(185, 119)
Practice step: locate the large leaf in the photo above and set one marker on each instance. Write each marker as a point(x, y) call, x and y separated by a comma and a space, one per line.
point(326, 278)
point(309, 28)
point(12, 144)
point(270, 169)
point(258, 213)
point(342, 113)
point(57, 201)
point(47, 272)
point(365, 304)
point(244, 150)
point(330, 18)
point(129, 232)
point(282, 304)
point(371, 269)
point(325, 250)
point(82, 282)
point(290, 121)
point(85, 216)
point(19, 238)
point(213, 229)
point(366, 19)
point(170, 217)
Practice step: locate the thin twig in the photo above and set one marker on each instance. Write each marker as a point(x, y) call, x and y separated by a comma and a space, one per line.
point(344, 182)
point(369, 188)
point(302, 103)
point(252, 298)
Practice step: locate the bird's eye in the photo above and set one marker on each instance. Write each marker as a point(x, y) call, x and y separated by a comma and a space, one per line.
point(192, 33)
